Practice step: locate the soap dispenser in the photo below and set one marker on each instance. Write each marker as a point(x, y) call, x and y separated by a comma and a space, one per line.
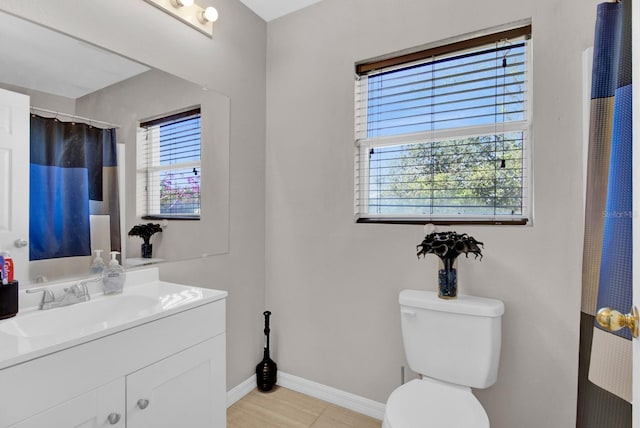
point(97, 266)
point(113, 276)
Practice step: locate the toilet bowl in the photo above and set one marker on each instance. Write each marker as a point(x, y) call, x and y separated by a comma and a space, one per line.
point(455, 346)
point(427, 403)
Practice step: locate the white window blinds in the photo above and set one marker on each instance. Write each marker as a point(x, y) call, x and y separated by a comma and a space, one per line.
point(169, 166)
point(444, 138)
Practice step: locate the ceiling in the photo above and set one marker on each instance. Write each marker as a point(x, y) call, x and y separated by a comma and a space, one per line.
point(272, 9)
point(29, 43)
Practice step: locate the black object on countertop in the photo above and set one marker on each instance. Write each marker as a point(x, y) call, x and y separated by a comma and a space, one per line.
point(266, 370)
point(8, 299)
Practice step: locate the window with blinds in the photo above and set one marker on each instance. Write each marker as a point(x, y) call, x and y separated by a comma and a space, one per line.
point(443, 135)
point(169, 167)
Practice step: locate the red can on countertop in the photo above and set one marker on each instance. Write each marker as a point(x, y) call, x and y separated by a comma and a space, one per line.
point(8, 265)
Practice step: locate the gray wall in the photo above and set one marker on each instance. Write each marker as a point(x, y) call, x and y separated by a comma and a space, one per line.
point(233, 63)
point(332, 285)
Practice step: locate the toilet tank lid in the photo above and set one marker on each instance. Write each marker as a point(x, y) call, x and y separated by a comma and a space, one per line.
point(467, 305)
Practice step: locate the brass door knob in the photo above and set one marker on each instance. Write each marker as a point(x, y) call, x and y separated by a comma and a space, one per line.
point(613, 320)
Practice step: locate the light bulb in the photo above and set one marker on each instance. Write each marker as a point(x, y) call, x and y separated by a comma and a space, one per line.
point(210, 14)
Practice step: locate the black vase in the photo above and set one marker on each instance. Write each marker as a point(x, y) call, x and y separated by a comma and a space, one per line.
point(448, 279)
point(146, 250)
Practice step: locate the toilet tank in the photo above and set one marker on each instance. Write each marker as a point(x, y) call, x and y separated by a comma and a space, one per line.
point(456, 341)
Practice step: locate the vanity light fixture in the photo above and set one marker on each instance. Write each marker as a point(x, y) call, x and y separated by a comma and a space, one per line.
point(190, 13)
point(182, 3)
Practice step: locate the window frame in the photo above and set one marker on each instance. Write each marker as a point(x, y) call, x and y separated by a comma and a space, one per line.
point(144, 168)
point(362, 146)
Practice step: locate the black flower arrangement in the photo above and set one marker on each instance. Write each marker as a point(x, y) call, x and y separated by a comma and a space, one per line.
point(448, 246)
point(145, 231)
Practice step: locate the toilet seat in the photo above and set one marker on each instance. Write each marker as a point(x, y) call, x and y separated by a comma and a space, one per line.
point(428, 403)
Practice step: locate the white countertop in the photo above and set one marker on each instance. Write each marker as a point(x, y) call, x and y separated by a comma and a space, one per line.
point(33, 333)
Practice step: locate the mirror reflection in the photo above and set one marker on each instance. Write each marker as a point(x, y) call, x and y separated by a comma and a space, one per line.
point(68, 80)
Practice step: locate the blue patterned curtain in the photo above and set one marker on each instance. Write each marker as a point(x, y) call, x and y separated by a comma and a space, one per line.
point(605, 357)
point(71, 166)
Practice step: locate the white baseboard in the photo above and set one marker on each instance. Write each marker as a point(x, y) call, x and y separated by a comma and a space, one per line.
point(323, 392)
point(239, 391)
point(332, 395)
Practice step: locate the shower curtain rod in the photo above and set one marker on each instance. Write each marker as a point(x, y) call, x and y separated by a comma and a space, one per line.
point(86, 120)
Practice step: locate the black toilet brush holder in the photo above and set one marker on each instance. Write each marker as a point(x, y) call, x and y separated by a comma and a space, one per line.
point(266, 370)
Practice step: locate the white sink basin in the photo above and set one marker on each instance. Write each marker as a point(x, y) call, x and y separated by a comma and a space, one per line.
point(33, 333)
point(87, 316)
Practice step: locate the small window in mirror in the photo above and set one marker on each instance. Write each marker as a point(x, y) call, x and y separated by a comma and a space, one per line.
point(169, 170)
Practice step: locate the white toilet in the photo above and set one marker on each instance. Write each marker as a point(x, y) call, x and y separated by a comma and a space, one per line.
point(455, 346)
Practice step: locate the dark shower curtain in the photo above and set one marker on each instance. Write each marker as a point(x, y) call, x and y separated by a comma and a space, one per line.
point(73, 175)
point(605, 367)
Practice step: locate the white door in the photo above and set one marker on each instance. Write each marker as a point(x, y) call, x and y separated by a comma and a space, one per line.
point(102, 407)
point(14, 179)
point(184, 390)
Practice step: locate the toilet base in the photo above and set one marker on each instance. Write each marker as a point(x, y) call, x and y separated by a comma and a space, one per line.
point(428, 403)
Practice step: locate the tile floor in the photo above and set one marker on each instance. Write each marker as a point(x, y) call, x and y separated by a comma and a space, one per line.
point(284, 408)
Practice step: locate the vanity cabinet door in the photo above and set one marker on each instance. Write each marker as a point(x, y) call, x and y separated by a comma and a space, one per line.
point(101, 407)
point(184, 390)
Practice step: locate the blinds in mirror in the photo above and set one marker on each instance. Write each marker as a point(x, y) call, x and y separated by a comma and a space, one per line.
point(169, 167)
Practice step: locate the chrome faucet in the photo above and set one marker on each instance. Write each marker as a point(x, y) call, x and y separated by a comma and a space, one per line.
point(47, 296)
point(75, 294)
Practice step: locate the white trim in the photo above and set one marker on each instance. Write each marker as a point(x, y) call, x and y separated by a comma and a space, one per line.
point(322, 392)
point(332, 395)
point(239, 391)
point(460, 132)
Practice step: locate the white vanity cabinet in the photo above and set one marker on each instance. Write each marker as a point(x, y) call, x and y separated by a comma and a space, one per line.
point(180, 391)
point(89, 410)
point(168, 372)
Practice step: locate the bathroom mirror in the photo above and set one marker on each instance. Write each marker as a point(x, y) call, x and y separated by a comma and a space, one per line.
point(63, 86)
